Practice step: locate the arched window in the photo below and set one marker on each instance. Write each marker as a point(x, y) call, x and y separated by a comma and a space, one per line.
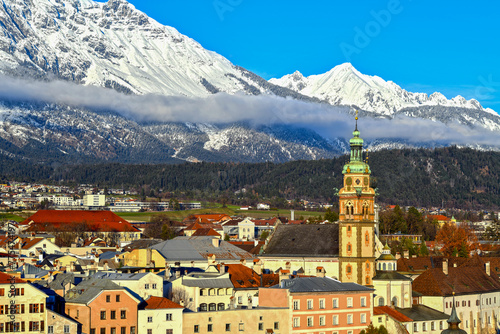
point(395, 301)
point(211, 292)
point(220, 307)
point(220, 292)
point(383, 266)
point(212, 307)
point(203, 307)
point(381, 301)
point(390, 266)
point(202, 292)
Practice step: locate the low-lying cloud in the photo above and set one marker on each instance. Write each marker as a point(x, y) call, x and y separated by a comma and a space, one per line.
point(328, 121)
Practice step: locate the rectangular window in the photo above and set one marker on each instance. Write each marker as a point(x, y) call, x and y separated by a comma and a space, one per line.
point(103, 317)
point(150, 319)
point(196, 328)
point(209, 327)
point(296, 305)
point(310, 321)
point(170, 331)
point(66, 329)
point(363, 301)
point(261, 326)
point(309, 304)
point(349, 302)
point(123, 314)
point(228, 327)
point(123, 330)
point(150, 331)
point(276, 325)
point(241, 327)
point(296, 322)
point(424, 326)
point(168, 317)
point(335, 303)
point(154, 285)
point(322, 320)
point(321, 303)
point(146, 286)
point(132, 330)
point(103, 330)
point(112, 315)
point(108, 299)
point(117, 298)
point(50, 329)
point(349, 319)
point(92, 331)
point(335, 320)
point(415, 327)
point(363, 318)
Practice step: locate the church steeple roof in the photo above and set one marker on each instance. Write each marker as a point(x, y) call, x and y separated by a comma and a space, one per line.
point(356, 164)
point(453, 322)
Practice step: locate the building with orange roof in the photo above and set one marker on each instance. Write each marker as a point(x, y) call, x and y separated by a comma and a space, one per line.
point(414, 319)
point(160, 315)
point(208, 218)
point(92, 223)
point(206, 232)
point(32, 247)
point(474, 289)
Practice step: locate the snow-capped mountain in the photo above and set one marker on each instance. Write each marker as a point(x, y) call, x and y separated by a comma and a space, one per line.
point(344, 85)
point(116, 46)
point(113, 45)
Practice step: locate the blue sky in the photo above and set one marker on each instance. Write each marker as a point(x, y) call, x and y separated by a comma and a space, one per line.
point(422, 45)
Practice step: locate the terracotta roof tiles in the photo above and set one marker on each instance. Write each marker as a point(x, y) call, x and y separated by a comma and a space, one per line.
point(379, 310)
point(153, 303)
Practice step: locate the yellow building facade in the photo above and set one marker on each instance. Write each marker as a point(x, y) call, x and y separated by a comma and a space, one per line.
point(357, 218)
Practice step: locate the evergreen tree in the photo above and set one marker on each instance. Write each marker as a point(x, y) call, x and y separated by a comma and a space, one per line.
point(423, 249)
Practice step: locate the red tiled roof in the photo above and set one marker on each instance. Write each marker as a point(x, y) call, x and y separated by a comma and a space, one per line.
point(208, 218)
point(193, 226)
point(7, 279)
point(461, 280)
point(425, 262)
point(243, 277)
point(438, 217)
point(27, 243)
point(206, 232)
point(102, 221)
point(153, 303)
point(379, 310)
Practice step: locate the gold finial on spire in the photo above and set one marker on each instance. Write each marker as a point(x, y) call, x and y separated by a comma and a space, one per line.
point(356, 114)
point(356, 118)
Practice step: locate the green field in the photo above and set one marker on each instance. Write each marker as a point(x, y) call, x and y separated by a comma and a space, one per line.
point(231, 210)
point(11, 216)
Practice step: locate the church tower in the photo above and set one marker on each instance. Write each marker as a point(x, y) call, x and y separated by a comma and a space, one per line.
point(357, 218)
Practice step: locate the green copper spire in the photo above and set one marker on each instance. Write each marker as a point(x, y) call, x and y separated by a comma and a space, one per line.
point(356, 164)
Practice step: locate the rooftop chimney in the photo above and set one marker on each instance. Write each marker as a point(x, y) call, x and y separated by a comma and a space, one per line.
point(215, 242)
point(320, 272)
point(257, 266)
point(488, 268)
point(222, 269)
point(445, 266)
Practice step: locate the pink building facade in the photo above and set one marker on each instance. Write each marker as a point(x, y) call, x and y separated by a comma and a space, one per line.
point(321, 305)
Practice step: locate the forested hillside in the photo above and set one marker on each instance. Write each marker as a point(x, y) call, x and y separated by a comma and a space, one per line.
point(455, 177)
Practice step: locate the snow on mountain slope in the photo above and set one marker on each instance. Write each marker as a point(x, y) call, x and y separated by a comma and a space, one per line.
point(111, 45)
point(344, 85)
